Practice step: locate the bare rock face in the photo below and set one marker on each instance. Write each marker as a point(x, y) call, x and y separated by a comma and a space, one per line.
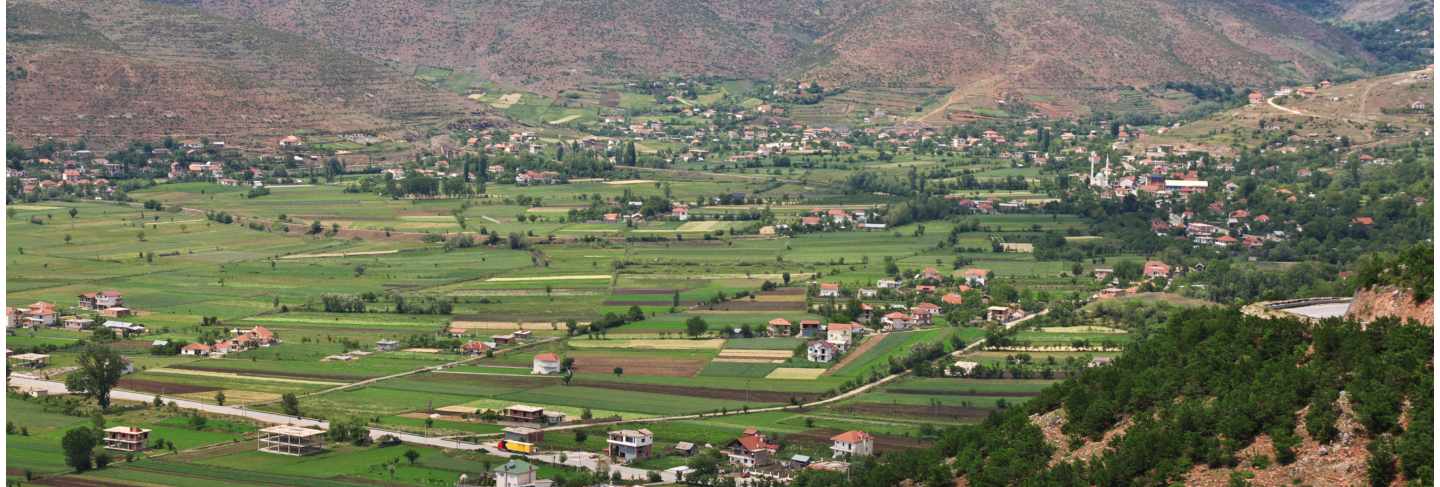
point(1379, 302)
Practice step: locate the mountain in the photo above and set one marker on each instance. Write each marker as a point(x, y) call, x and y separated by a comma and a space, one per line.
point(1068, 49)
point(112, 71)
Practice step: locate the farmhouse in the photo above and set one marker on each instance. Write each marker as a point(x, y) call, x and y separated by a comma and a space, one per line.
point(780, 327)
point(809, 328)
point(40, 314)
point(829, 290)
point(101, 300)
point(963, 368)
point(195, 349)
point(387, 345)
point(521, 413)
point(116, 312)
point(475, 347)
point(975, 277)
point(898, 321)
point(629, 445)
point(842, 334)
point(952, 299)
point(291, 440)
point(751, 449)
point(997, 313)
point(78, 323)
point(1156, 269)
point(821, 351)
point(518, 473)
point(258, 335)
point(854, 443)
point(123, 327)
point(523, 434)
point(545, 364)
point(126, 438)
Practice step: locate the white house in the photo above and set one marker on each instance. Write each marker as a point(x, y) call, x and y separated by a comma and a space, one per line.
point(546, 364)
point(821, 351)
point(829, 290)
point(888, 284)
point(842, 334)
point(853, 443)
point(976, 277)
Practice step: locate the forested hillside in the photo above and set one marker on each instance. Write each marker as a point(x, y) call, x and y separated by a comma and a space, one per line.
point(1211, 395)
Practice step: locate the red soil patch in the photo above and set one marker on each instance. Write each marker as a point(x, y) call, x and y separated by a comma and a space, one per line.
point(272, 373)
point(72, 481)
point(668, 367)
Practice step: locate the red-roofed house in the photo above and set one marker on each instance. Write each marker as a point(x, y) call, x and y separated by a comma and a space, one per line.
point(751, 449)
point(842, 334)
point(474, 347)
point(780, 327)
point(952, 299)
point(1363, 220)
point(898, 321)
point(829, 290)
point(1155, 268)
point(195, 349)
point(853, 443)
point(546, 364)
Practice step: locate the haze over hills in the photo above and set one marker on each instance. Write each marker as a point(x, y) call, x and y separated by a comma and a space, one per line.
point(1066, 47)
point(127, 69)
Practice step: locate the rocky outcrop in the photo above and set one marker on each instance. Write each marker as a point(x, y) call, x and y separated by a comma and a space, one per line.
point(1378, 302)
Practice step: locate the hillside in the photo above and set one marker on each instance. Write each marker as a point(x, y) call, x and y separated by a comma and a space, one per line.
point(1212, 398)
point(1020, 49)
point(1355, 110)
point(114, 71)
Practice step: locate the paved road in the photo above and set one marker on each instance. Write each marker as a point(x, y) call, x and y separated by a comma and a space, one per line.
point(585, 460)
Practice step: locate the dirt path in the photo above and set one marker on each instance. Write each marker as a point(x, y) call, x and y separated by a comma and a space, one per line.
point(856, 353)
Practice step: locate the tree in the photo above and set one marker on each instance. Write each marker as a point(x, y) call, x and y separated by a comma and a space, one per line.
point(619, 371)
point(220, 397)
point(290, 404)
point(99, 369)
point(696, 326)
point(73, 212)
point(78, 444)
point(412, 455)
point(580, 436)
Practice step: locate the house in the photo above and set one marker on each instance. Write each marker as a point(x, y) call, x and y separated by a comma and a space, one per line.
point(126, 438)
point(78, 323)
point(751, 449)
point(821, 351)
point(997, 313)
point(809, 328)
point(124, 328)
point(291, 440)
point(101, 300)
point(523, 434)
point(930, 274)
point(290, 141)
point(780, 327)
point(387, 345)
point(455, 332)
point(1102, 273)
point(116, 312)
point(854, 443)
point(545, 364)
point(474, 347)
point(518, 473)
point(1363, 220)
point(963, 368)
point(629, 445)
point(681, 213)
point(888, 284)
point(929, 310)
point(842, 334)
point(40, 313)
point(925, 289)
point(975, 277)
point(521, 413)
point(259, 335)
point(898, 321)
point(798, 461)
point(952, 299)
point(829, 290)
point(195, 349)
point(1156, 269)
point(868, 292)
